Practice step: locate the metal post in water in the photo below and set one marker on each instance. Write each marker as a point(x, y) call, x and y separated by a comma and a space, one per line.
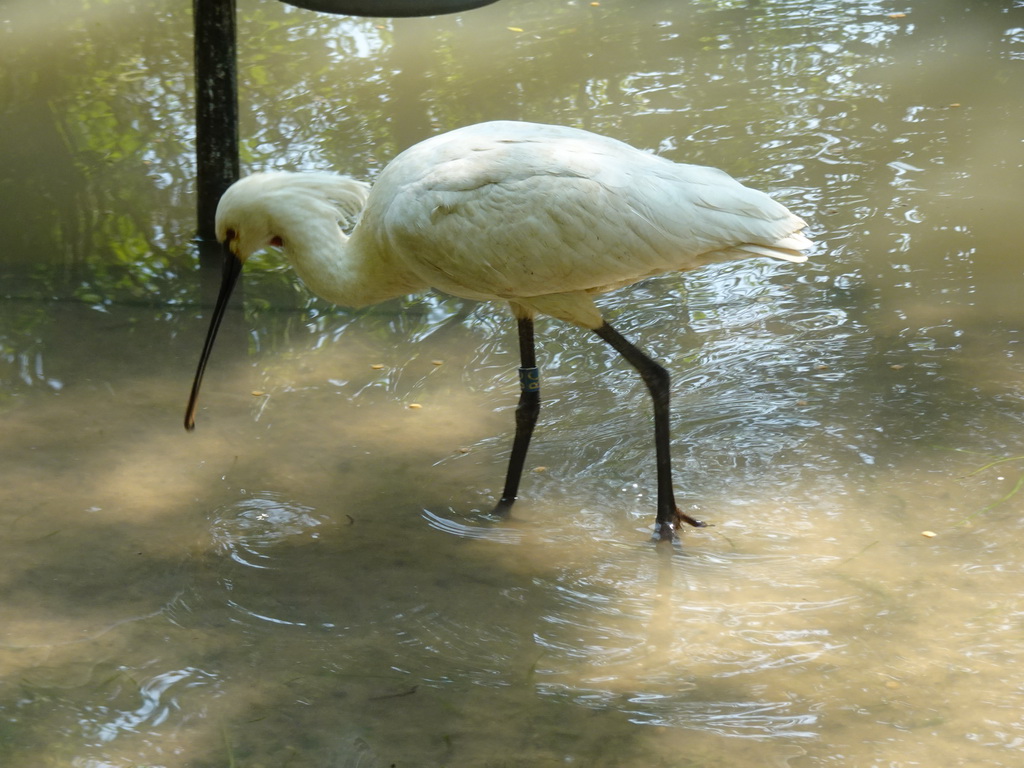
point(213, 23)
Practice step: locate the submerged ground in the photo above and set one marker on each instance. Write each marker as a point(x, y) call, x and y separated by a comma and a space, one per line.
point(310, 579)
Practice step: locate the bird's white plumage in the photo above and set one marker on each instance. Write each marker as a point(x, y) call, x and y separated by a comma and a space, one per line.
point(541, 216)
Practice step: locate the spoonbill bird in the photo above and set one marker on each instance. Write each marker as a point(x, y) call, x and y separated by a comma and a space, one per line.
point(544, 217)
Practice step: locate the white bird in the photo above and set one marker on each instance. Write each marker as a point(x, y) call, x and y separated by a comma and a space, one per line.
point(544, 217)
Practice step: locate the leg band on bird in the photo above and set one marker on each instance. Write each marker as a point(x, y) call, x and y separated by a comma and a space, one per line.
point(529, 379)
point(526, 415)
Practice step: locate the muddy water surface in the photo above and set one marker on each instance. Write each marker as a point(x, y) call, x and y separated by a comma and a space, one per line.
point(310, 579)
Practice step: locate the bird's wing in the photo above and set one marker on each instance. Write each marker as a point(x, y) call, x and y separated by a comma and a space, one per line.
point(557, 211)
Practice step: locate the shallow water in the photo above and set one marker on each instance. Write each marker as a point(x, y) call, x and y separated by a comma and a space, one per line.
point(310, 578)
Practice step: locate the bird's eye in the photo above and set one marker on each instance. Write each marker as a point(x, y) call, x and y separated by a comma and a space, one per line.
point(276, 240)
point(230, 235)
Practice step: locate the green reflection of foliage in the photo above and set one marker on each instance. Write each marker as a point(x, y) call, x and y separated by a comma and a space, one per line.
point(98, 126)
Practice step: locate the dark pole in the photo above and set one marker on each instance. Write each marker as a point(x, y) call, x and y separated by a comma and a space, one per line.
point(216, 107)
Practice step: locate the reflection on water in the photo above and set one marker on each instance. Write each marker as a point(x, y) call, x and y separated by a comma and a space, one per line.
point(158, 698)
point(312, 577)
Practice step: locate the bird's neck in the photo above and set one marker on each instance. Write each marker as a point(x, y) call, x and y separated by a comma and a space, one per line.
point(349, 271)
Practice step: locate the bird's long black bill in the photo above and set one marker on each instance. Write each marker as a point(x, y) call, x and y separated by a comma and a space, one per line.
point(232, 269)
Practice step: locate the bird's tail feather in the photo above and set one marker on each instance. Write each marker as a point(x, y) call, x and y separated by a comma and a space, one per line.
point(788, 248)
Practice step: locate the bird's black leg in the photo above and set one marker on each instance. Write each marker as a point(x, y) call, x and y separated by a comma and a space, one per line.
point(526, 415)
point(657, 380)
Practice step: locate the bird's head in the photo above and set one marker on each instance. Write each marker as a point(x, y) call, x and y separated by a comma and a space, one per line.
point(261, 210)
point(258, 211)
point(246, 222)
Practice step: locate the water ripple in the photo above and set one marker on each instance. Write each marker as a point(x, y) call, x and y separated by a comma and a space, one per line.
point(481, 528)
point(248, 529)
point(159, 698)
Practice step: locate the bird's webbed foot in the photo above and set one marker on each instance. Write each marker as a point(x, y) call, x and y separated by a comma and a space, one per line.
point(665, 530)
point(681, 517)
